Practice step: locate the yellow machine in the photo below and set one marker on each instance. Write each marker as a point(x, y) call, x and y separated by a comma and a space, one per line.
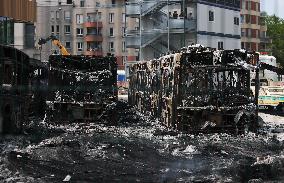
point(56, 42)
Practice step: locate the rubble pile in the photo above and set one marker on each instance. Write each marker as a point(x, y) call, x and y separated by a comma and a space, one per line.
point(137, 149)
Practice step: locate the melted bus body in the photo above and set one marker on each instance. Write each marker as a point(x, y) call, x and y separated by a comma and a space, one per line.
point(198, 89)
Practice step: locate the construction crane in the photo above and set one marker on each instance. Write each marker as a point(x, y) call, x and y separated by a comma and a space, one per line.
point(56, 42)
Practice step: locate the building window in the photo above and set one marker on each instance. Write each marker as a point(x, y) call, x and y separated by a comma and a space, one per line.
point(248, 32)
point(123, 17)
point(79, 19)
point(111, 32)
point(57, 29)
point(57, 14)
point(243, 5)
point(67, 29)
point(111, 17)
point(52, 29)
point(243, 45)
point(124, 60)
point(242, 18)
point(220, 45)
point(123, 31)
point(82, 3)
point(236, 21)
point(99, 16)
point(123, 46)
point(111, 46)
point(113, 2)
point(243, 32)
point(67, 15)
point(248, 47)
point(248, 19)
point(52, 15)
point(69, 1)
point(68, 45)
point(211, 16)
point(80, 32)
point(80, 46)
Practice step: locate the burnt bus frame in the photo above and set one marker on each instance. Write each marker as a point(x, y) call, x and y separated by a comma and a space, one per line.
point(163, 98)
point(87, 106)
point(14, 89)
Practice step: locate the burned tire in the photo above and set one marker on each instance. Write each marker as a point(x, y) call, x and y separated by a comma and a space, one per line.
point(280, 108)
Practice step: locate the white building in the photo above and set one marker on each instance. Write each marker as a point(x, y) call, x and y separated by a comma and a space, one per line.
point(211, 23)
point(218, 24)
point(269, 75)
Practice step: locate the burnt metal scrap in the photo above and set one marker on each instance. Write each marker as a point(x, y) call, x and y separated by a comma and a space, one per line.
point(197, 89)
point(80, 87)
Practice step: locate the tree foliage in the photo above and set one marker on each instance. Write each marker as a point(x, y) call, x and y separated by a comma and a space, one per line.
point(275, 30)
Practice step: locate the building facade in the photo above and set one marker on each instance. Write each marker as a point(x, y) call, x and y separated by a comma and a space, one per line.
point(85, 27)
point(169, 25)
point(218, 24)
point(253, 29)
point(17, 25)
point(19, 10)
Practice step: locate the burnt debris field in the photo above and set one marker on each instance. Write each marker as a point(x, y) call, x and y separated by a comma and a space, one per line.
point(138, 149)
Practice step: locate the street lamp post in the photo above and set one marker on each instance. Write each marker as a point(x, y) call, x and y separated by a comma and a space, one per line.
point(168, 26)
point(140, 30)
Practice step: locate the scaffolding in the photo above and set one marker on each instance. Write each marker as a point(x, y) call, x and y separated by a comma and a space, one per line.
point(158, 27)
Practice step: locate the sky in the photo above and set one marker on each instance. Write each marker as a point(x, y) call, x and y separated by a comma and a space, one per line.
point(273, 7)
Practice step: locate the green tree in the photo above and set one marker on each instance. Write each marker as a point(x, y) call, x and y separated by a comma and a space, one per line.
point(275, 30)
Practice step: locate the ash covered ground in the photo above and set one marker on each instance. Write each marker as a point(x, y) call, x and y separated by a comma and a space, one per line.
point(138, 149)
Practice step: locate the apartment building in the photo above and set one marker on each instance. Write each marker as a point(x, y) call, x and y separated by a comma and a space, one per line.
point(168, 25)
point(253, 28)
point(85, 27)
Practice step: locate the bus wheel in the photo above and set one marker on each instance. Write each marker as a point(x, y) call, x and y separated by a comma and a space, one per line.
point(280, 108)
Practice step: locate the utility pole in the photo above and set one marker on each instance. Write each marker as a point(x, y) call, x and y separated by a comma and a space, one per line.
point(168, 26)
point(257, 87)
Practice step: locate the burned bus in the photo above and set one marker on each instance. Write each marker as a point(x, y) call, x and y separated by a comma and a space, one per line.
point(80, 87)
point(198, 89)
point(14, 89)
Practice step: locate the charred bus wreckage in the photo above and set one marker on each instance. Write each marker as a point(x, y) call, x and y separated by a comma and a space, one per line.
point(23, 87)
point(67, 88)
point(80, 87)
point(198, 89)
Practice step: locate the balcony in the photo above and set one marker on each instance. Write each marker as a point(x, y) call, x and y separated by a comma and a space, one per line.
point(134, 7)
point(265, 40)
point(93, 23)
point(93, 37)
point(93, 52)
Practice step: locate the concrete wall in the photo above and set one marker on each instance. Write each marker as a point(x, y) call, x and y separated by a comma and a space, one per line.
point(223, 23)
point(19, 35)
point(24, 10)
point(221, 29)
point(212, 41)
